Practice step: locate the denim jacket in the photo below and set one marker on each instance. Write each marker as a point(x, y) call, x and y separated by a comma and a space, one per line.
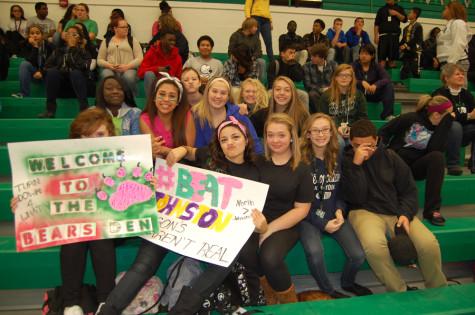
point(130, 119)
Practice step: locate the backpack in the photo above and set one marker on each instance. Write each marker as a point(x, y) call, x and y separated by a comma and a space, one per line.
point(130, 40)
point(53, 301)
point(146, 301)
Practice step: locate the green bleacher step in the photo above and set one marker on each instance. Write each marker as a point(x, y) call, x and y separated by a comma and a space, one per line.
point(427, 85)
point(40, 268)
point(375, 109)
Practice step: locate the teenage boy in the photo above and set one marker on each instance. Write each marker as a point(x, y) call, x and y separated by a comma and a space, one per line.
point(41, 19)
point(338, 43)
point(317, 74)
point(373, 80)
point(161, 57)
point(411, 45)
point(356, 37)
point(207, 66)
point(291, 38)
point(316, 36)
point(285, 65)
point(386, 32)
point(381, 193)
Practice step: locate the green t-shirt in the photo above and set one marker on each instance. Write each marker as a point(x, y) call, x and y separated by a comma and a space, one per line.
point(90, 25)
point(118, 125)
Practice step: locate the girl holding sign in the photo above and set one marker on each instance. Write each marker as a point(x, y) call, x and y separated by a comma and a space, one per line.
point(167, 117)
point(230, 152)
point(320, 149)
point(92, 123)
point(288, 202)
point(216, 107)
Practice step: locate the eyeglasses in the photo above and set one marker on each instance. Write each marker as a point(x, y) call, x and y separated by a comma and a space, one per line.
point(345, 75)
point(74, 34)
point(123, 26)
point(316, 132)
point(163, 96)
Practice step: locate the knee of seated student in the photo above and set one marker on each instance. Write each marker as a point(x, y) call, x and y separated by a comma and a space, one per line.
point(456, 129)
point(424, 240)
point(436, 159)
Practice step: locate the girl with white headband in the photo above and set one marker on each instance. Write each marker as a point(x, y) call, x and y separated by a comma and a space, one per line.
point(216, 107)
point(167, 117)
point(420, 138)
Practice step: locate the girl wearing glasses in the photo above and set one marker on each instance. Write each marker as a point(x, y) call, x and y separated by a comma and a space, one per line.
point(121, 54)
point(420, 138)
point(167, 117)
point(343, 102)
point(320, 149)
point(216, 107)
point(284, 100)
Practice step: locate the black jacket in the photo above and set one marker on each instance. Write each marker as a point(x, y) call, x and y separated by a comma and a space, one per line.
point(293, 70)
point(37, 56)
point(383, 184)
point(67, 59)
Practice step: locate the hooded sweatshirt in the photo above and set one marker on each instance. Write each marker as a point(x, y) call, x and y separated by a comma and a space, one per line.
point(156, 57)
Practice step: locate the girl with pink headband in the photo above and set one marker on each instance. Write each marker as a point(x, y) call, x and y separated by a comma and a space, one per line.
point(420, 138)
point(216, 107)
point(230, 151)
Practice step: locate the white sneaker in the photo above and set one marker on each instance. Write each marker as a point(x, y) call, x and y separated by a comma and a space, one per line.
point(73, 310)
point(99, 308)
point(17, 95)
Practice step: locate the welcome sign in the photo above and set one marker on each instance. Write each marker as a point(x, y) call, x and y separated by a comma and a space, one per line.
point(203, 214)
point(82, 189)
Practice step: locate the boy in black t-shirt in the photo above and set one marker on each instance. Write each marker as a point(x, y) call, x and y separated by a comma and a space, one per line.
point(387, 30)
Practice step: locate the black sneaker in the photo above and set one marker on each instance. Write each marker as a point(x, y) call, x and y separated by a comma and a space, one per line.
point(408, 288)
point(435, 218)
point(338, 295)
point(454, 170)
point(358, 290)
point(46, 115)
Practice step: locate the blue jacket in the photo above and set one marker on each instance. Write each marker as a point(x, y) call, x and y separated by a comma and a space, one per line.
point(205, 133)
point(331, 35)
point(330, 188)
point(354, 40)
point(130, 119)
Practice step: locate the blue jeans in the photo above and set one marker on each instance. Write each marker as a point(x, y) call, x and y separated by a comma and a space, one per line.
point(26, 75)
point(310, 236)
point(149, 78)
point(460, 136)
point(264, 28)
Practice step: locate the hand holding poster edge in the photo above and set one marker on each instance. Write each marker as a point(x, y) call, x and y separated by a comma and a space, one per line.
point(204, 214)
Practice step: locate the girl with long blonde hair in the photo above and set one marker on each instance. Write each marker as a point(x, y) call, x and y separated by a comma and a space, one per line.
point(320, 149)
point(253, 96)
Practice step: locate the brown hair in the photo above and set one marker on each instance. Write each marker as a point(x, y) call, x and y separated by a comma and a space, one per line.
point(167, 21)
point(295, 109)
point(457, 11)
point(335, 93)
point(284, 119)
point(331, 151)
point(249, 23)
point(89, 121)
point(84, 5)
point(320, 50)
point(179, 113)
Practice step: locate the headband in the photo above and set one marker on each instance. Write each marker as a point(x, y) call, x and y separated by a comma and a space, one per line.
point(232, 121)
point(167, 76)
point(439, 108)
point(220, 79)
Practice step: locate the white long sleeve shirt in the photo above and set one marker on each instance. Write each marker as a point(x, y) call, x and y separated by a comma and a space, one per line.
point(452, 42)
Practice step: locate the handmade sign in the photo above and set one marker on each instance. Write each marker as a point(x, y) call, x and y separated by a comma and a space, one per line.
point(82, 189)
point(204, 214)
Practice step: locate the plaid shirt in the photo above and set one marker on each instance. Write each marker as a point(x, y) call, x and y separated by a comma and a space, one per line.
point(314, 79)
point(230, 72)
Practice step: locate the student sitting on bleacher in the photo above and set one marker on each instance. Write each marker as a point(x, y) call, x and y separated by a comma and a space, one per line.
point(82, 16)
point(161, 57)
point(116, 15)
point(410, 45)
point(240, 66)
point(429, 51)
point(67, 63)
point(381, 193)
point(16, 33)
point(318, 74)
point(190, 78)
point(206, 66)
point(420, 138)
point(291, 38)
point(114, 96)
point(121, 55)
point(286, 65)
point(316, 37)
point(168, 22)
point(338, 43)
point(253, 96)
point(36, 51)
point(462, 132)
point(41, 19)
point(284, 99)
point(343, 102)
point(373, 80)
point(319, 149)
point(356, 38)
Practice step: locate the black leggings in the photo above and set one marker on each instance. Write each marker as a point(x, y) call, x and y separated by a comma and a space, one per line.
point(268, 260)
point(73, 265)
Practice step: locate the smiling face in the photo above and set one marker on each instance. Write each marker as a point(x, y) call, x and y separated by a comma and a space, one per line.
point(282, 93)
point(101, 131)
point(191, 81)
point(344, 78)
point(113, 93)
point(166, 99)
point(456, 80)
point(278, 138)
point(233, 143)
point(320, 133)
point(205, 48)
point(249, 93)
point(218, 95)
